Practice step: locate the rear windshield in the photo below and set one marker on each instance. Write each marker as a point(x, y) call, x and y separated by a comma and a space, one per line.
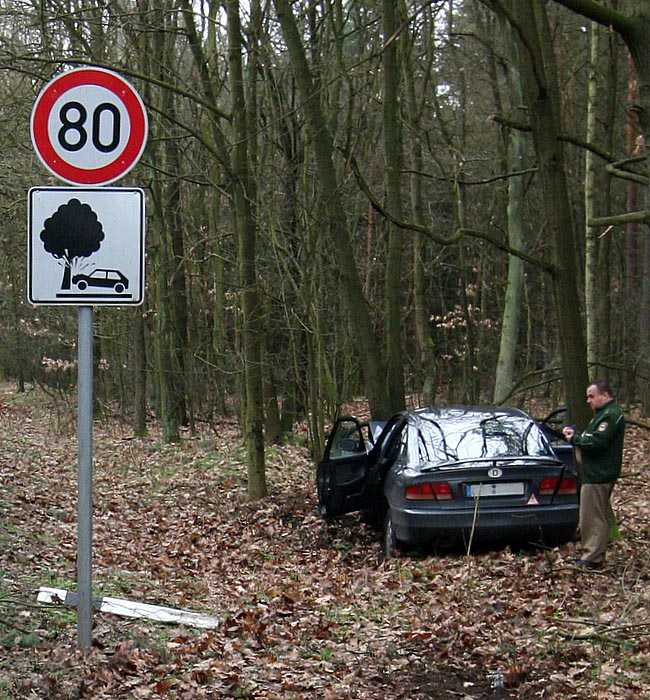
point(475, 436)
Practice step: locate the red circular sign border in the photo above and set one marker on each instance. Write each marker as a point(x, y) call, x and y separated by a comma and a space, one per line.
point(127, 158)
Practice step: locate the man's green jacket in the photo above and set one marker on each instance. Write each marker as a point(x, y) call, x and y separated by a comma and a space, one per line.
point(601, 445)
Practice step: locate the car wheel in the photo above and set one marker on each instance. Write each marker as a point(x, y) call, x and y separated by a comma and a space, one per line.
point(82, 285)
point(119, 288)
point(390, 543)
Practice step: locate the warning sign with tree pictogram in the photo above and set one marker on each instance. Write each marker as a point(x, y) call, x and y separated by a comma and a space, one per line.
point(86, 246)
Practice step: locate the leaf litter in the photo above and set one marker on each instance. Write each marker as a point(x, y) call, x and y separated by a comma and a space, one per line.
point(307, 608)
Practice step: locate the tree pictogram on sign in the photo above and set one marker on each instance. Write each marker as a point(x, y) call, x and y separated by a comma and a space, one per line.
point(72, 232)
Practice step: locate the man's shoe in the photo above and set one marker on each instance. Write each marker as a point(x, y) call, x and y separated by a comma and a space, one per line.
point(586, 565)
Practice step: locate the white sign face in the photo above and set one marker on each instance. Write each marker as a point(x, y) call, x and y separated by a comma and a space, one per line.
point(86, 246)
point(89, 126)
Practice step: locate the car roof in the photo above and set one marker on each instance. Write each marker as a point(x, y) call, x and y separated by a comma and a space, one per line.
point(468, 412)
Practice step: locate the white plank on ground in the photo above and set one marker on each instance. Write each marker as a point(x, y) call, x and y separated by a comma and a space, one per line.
point(132, 609)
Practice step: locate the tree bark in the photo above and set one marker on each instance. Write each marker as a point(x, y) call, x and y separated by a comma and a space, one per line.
point(163, 333)
point(540, 80)
point(140, 374)
point(426, 359)
point(513, 304)
point(591, 234)
point(244, 199)
point(176, 286)
point(393, 174)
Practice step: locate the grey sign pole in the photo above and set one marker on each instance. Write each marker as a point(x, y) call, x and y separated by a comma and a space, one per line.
point(84, 477)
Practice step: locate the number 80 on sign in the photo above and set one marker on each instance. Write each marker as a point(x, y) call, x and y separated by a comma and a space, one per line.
point(89, 126)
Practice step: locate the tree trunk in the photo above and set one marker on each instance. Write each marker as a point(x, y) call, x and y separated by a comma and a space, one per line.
point(163, 323)
point(592, 293)
point(244, 198)
point(177, 295)
point(513, 304)
point(393, 174)
point(332, 203)
point(272, 422)
point(67, 274)
point(538, 71)
point(139, 359)
point(164, 365)
point(644, 329)
point(426, 359)
point(633, 266)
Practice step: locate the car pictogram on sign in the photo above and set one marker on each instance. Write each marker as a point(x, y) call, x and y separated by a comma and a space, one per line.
point(111, 279)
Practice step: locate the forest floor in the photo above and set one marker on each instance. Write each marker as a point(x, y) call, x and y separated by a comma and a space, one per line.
point(307, 609)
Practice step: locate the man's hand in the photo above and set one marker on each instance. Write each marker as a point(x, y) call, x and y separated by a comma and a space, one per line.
point(568, 432)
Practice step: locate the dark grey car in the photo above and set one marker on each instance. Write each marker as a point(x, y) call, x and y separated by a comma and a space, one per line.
point(444, 476)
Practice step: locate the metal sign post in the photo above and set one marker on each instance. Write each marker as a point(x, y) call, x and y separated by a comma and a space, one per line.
point(84, 476)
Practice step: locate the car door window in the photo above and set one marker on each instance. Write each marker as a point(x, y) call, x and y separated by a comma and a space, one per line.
point(396, 449)
point(347, 440)
point(401, 447)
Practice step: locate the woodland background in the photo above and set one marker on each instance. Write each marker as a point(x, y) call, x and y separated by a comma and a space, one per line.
point(413, 201)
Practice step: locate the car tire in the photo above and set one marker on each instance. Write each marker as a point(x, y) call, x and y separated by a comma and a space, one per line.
point(81, 285)
point(119, 288)
point(390, 543)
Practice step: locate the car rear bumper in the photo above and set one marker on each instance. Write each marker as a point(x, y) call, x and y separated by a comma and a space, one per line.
point(551, 524)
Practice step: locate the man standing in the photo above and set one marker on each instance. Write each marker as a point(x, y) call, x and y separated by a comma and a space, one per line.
point(601, 448)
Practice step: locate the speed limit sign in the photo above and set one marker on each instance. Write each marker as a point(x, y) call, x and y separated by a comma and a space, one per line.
point(89, 126)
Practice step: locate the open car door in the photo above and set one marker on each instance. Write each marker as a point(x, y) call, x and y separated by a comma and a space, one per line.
point(552, 427)
point(341, 476)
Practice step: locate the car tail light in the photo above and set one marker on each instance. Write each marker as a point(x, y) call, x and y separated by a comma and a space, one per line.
point(548, 485)
point(429, 491)
point(566, 486)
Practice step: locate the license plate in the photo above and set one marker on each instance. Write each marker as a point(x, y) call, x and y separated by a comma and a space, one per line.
point(514, 488)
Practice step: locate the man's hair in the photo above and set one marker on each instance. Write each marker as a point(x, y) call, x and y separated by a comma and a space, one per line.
point(602, 386)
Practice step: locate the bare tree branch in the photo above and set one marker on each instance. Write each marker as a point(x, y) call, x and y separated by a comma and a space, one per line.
point(454, 237)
